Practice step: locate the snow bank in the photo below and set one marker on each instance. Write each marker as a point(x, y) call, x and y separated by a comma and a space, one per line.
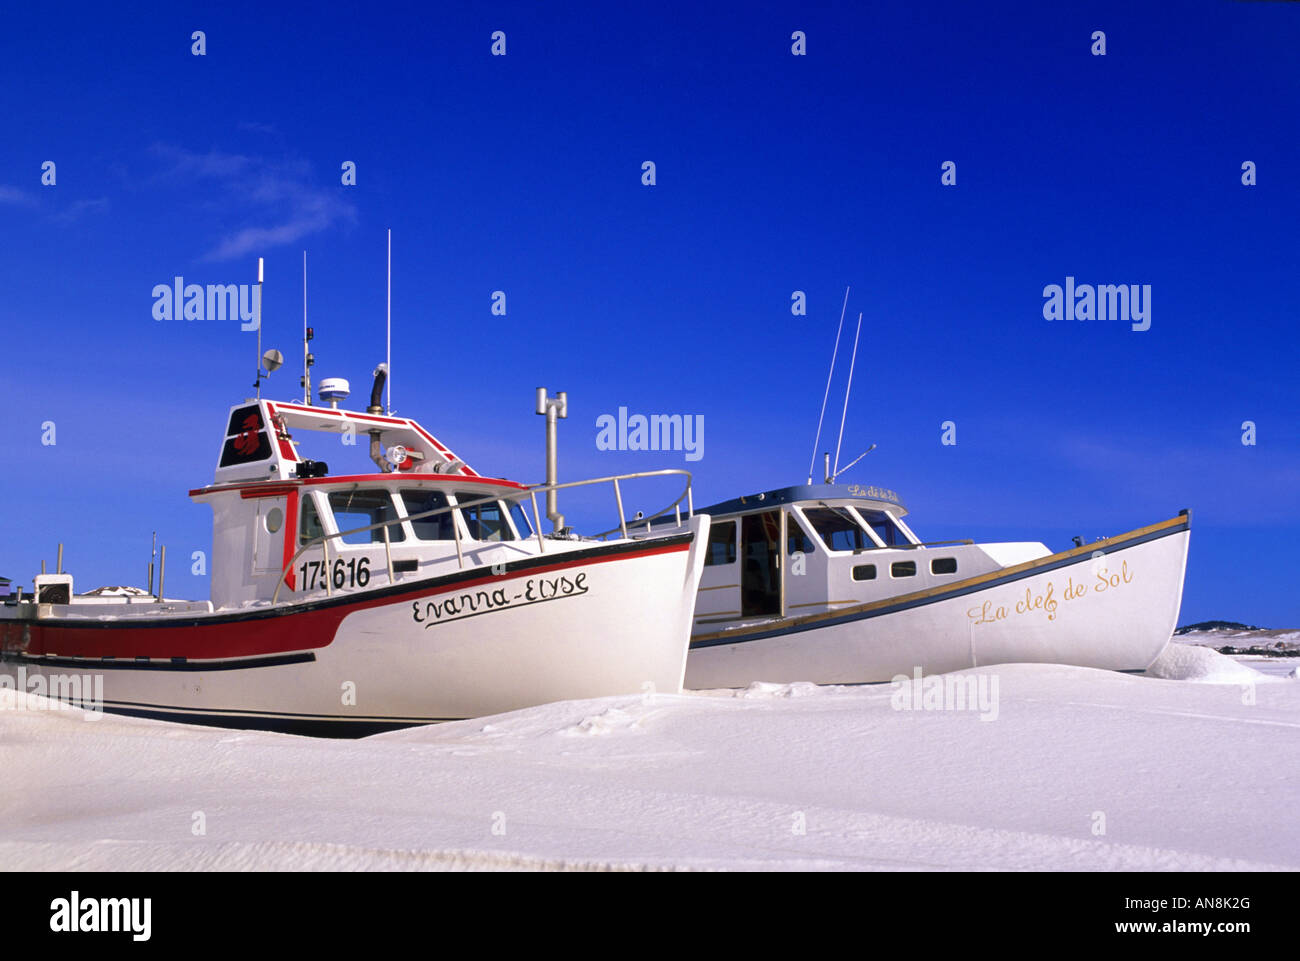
point(1186, 662)
point(1081, 770)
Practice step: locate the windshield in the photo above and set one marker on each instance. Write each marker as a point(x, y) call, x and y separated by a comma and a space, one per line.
point(361, 508)
point(437, 527)
point(522, 525)
point(885, 529)
point(838, 528)
point(485, 520)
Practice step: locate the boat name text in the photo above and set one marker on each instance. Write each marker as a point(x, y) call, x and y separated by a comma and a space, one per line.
point(1047, 601)
point(535, 590)
point(876, 493)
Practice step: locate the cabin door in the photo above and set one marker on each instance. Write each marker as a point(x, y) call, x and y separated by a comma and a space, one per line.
point(268, 536)
point(760, 556)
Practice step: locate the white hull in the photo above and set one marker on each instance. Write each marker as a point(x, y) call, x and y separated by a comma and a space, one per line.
point(619, 624)
point(991, 619)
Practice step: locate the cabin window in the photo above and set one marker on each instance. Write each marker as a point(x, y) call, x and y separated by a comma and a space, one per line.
point(246, 439)
point(722, 545)
point(902, 569)
point(522, 525)
point(885, 529)
point(943, 565)
point(797, 540)
point(485, 520)
point(361, 508)
point(310, 528)
point(864, 572)
point(437, 527)
point(838, 528)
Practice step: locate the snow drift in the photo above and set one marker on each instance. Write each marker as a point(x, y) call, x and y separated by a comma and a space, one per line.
point(1081, 770)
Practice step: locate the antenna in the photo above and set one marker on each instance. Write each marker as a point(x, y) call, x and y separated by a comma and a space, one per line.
point(818, 438)
point(845, 412)
point(258, 382)
point(830, 478)
point(388, 397)
point(306, 337)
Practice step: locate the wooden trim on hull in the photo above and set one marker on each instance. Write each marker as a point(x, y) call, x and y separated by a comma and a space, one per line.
point(890, 605)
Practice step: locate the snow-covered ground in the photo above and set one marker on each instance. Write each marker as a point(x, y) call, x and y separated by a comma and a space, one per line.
point(1195, 766)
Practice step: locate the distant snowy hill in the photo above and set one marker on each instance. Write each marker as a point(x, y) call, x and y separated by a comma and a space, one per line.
point(1216, 626)
point(1241, 639)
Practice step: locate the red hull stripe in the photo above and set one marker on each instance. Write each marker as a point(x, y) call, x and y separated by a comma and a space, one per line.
point(258, 633)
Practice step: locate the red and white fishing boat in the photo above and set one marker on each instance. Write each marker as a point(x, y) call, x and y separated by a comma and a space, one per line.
point(346, 605)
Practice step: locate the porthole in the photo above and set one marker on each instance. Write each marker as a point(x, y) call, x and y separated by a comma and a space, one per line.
point(274, 519)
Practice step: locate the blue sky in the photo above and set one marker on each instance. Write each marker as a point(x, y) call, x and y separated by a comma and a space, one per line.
point(775, 173)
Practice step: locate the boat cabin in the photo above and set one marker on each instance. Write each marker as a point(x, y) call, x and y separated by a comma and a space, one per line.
point(272, 505)
point(818, 547)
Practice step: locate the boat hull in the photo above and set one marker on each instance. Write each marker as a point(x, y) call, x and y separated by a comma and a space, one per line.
point(583, 623)
point(1112, 605)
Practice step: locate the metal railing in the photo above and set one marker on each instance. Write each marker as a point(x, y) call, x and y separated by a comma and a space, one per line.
point(323, 540)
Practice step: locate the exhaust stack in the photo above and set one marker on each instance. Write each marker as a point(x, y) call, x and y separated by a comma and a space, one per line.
point(552, 408)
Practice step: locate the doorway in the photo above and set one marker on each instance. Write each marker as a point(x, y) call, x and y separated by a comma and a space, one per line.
point(760, 576)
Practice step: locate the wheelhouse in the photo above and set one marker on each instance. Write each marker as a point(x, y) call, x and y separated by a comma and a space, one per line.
point(300, 530)
point(804, 550)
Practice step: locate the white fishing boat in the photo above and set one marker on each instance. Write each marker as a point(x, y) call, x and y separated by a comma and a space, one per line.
point(828, 583)
point(345, 605)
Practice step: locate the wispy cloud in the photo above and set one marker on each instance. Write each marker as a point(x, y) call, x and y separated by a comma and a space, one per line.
point(80, 207)
point(12, 195)
point(278, 201)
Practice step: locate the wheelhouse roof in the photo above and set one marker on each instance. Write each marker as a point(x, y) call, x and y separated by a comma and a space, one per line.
point(811, 493)
point(271, 486)
point(258, 444)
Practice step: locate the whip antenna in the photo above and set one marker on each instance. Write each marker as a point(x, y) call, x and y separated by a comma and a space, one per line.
point(845, 413)
point(388, 402)
point(306, 338)
point(852, 462)
point(825, 396)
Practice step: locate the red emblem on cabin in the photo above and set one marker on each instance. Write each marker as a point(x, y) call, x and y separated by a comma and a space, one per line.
point(246, 443)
